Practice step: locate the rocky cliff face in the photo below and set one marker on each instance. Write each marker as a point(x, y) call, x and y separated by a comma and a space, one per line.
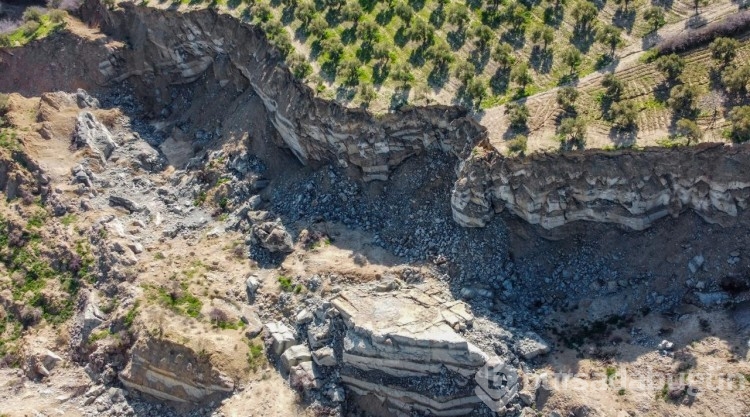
point(404, 347)
point(172, 372)
point(168, 48)
point(629, 188)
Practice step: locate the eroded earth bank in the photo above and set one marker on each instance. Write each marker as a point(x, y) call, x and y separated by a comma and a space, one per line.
point(189, 231)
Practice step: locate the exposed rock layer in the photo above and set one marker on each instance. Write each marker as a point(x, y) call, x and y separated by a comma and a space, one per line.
point(398, 346)
point(630, 188)
point(167, 49)
point(173, 372)
point(170, 48)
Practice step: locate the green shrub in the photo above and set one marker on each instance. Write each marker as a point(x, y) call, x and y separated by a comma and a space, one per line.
point(740, 118)
point(285, 283)
point(131, 315)
point(518, 145)
point(180, 300)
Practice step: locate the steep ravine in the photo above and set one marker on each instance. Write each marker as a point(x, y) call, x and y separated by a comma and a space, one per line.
point(167, 48)
point(163, 52)
point(628, 188)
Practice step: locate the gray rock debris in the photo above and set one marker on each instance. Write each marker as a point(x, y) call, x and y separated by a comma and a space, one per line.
point(324, 356)
point(274, 237)
point(531, 346)
point(696, 263)
point(252, 321)
point(294, 356)
point(251, 285)
point(125, 203)
point(85, 101)
point(282, 337)
point(41, 362)
point(90, 132)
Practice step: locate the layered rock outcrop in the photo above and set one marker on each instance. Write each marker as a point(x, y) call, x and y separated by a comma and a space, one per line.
point(173, 372)
point(169, 48)
point(403, 347)
point(631, 188)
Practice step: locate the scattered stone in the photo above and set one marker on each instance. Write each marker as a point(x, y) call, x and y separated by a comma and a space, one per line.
point(255, 202)
point(531, 346)
point(741, 317)
point(41, 362)
point(392, 284)
point(305, 316)
point(90, 132)
point(336, 394)
point(125, 203)
point(305, 377)
point(696, 263)
point(252, 284)
point(319, 335)
point(666, 345)
point(253, 325)
point(712, 298)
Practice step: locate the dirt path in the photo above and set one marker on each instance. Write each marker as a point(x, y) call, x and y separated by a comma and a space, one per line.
point(494, 119)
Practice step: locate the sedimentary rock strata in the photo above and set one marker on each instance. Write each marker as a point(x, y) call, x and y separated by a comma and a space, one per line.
point(173, 372)
point(631, 188)
point(403, 346)
point(171, 48)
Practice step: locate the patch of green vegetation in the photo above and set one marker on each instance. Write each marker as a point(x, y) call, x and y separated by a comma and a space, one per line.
point(37, 219)
point(27, 259)
point(229, 325)
point(663, 393)
point(97, 336)
point(10, 332)
point(195, 268)
point(611, 371)
point(39, 23)
point(180, 300)
point(68, 219)
point(321, 243)
point(131, 315)
point(8, 138)
point(285, 283)
point(621, 391)
point(671, 142)
point(159, 256)
point(224, 203)
point(255, 357)
point(200, 199)
point(653, 104)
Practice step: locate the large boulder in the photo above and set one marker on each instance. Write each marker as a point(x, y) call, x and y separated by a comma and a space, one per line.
point(273, 237)
point(174, 372)
point(281, 336)
point(90, 132)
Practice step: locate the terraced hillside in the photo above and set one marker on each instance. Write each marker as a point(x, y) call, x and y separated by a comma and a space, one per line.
point(648, 90)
